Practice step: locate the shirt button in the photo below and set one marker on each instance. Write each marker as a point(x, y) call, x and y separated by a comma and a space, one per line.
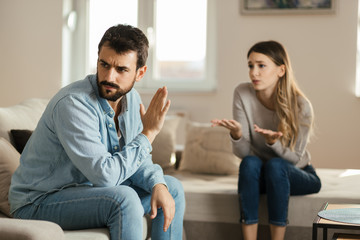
point(115, 147)
point(110, 125)
point(148, 149)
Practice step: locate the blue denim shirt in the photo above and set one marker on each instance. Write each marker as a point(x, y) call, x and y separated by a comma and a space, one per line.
point(75, 143)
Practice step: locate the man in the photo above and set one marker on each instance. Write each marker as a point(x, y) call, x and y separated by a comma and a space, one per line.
point(88, 163)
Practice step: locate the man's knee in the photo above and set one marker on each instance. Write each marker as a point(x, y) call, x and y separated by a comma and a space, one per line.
point(174, 184)
point(176, 189)
point(126, 200)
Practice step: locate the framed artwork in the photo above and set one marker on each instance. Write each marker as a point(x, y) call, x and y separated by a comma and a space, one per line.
point(276, 7)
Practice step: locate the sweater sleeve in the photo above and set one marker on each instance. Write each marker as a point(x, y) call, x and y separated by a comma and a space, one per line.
point(242, 146)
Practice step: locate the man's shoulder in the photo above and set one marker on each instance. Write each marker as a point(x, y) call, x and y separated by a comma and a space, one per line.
point(81, 91)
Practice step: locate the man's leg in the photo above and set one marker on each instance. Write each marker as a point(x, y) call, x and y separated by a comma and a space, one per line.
point(118, 208)
point(175, 230)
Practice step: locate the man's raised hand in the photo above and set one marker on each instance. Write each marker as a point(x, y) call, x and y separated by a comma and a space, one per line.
point(153, 118)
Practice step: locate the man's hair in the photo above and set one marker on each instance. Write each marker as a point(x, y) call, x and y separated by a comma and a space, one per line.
point(123, 38)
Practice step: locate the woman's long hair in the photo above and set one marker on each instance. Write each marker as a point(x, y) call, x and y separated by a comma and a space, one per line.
point(287, 107)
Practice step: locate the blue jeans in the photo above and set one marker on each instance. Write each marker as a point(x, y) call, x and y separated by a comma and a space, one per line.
point(120, 208)
point(278, 179)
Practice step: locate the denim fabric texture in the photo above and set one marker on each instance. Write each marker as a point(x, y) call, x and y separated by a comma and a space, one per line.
point(75, 151)
point(120, 208)
point(278, 179)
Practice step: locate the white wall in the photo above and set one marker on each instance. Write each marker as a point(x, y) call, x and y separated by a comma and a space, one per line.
point(30, 49)
point(322, 49)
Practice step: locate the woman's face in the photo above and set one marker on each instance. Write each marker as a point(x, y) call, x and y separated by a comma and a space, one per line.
point(263, 72)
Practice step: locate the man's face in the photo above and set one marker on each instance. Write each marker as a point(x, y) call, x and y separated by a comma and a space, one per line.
point(116, 73)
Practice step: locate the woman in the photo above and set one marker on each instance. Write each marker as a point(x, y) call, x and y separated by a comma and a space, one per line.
point(272, 123)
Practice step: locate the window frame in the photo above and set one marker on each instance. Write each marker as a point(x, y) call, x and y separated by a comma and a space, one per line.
point(209, 83)
point(75, 67)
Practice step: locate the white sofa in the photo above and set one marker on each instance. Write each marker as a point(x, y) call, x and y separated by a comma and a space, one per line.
point(25, 116)
point(212, 209)
point(209, 176)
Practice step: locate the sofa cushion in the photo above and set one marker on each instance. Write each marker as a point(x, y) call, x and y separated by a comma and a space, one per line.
point(14, 229)
point(9, 161)
point(24, 115)
point(87, 234)
point(164, 143)
point(208, 150)
point(211, 198)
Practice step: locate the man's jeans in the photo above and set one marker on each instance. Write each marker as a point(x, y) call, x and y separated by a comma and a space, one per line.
point(278, 179)
point(119, 208)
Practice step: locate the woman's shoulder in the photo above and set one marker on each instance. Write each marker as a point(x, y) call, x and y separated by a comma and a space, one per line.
point(305, 105)
point(244, 88)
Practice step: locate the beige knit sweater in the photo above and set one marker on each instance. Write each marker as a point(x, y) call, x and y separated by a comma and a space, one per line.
point(248, 110)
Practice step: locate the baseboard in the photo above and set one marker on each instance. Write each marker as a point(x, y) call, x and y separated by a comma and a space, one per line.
point(231, 231)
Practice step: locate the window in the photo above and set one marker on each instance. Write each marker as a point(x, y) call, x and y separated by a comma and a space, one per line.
point(181, 35)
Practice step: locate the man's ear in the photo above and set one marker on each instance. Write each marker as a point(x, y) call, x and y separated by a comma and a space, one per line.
point(140, 73)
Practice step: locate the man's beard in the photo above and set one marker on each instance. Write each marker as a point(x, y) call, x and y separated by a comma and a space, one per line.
point(104, 93)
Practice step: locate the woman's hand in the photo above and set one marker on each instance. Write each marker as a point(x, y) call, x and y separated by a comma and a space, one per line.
point(232, 125)
point(270, 136)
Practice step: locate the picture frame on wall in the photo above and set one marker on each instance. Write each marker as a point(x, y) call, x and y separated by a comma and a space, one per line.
point(277, 7)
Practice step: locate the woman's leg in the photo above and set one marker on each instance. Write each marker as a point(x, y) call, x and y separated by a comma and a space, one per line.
point(282, 180)
point(118, 208)
point(304, 181)
point(250, 178)
point(249, 231)
point(278, 192)
point(277, 232)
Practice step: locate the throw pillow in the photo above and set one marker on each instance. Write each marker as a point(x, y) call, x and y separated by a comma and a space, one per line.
point(9, 161)
point(20, 138)
point(165, 142)
point(208, 150)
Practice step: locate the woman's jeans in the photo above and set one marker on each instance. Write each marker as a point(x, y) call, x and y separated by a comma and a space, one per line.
point(278, 179)
point(120, 208)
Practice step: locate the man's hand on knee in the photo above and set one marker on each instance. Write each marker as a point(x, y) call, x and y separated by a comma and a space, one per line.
point(161, 198)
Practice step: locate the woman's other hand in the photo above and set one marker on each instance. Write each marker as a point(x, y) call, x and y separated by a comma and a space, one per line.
point(232, 125)
point(270, 136)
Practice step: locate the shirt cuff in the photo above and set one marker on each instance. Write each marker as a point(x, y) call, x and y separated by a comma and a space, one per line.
point(145, 143)
point(162, 184)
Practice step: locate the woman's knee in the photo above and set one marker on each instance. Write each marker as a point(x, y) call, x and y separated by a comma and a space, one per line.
point(276, 164)
point(250, 166)
point(276, 168)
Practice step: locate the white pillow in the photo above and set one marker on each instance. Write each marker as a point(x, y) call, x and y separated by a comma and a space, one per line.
point(208, 150)
point(9, 161)
point(165, 142)
point(24, 115)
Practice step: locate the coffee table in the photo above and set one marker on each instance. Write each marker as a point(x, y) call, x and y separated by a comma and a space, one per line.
point(326, 224)
point(345, 236)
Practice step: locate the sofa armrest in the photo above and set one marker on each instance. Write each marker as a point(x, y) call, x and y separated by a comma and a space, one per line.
point(13, 229)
